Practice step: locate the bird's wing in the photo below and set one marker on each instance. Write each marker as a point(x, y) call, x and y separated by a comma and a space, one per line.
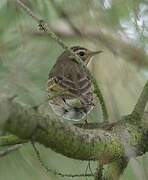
point(70, 77)
point(56, 88)
point(68, 88)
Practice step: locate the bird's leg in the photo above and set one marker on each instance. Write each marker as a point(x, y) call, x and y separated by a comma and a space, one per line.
point(85, 122)
point(86, 104)
point(66, 102)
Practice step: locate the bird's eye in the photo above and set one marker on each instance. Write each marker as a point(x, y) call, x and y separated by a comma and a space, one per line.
point(81, 53)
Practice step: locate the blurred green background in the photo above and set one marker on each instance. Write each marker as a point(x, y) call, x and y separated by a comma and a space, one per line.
point(118, 27)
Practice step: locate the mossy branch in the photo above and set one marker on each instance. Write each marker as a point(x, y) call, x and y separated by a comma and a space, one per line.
point(9, 140)
point(71, 141)
point(107, 145)
point(10, 149)
point(104, 145)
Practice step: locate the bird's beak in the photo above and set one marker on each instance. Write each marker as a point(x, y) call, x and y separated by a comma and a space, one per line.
point(93, 53)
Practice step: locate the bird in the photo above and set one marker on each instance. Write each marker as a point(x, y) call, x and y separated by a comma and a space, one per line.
point(70, 90)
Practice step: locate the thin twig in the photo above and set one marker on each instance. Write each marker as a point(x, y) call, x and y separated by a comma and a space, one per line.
point(86, 170)
point(141, 103)
point(90, 168)
point(44, 27)
point(8, 140)
point(30, 13)
point(55, 172)
point(10, 149)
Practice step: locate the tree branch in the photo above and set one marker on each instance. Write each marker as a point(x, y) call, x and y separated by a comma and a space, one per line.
point(103, 145)
point(10, 140)
point(10, 149)
point(114, 144)
point(114, 44)
point(26, 123)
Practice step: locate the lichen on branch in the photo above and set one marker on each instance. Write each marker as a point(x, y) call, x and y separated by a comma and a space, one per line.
point(71, 141)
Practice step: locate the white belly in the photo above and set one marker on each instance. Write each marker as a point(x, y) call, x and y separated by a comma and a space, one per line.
point(72, 109)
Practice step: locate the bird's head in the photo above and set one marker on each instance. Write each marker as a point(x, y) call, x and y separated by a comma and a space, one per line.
point(85, 54)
